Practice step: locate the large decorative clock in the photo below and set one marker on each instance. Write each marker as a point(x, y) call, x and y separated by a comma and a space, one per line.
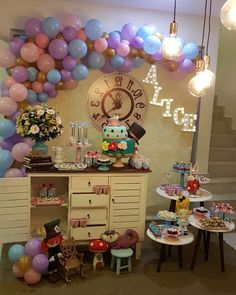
point(116, 94)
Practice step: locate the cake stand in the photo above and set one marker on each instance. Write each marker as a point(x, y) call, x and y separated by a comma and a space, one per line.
point(182, 174)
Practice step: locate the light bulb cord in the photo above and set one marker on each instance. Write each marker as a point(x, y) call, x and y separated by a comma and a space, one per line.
point(209, 28)
point(174, 10)
point(204, 25)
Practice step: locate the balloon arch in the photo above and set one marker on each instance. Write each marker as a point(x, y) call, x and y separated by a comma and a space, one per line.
point(51, 56)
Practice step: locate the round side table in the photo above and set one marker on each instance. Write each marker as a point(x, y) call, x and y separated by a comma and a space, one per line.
point(181, 241)
point(206, 196)
point(194, 222)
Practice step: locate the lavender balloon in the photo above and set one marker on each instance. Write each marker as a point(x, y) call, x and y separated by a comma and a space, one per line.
point(69, 33)
point(107, 68)
point(40, 263)
point(13, 172)
point(33, 247)
point(126, 67)
point(137, 42)
point(15, 45)
point(19, 74)
point(33, 26)
point(65, 75)
point(69, 63)
point(58, 48)
point(128, 32)
point(48, 87)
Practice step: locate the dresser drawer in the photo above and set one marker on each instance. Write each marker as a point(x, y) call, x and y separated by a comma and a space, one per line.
point(86, 183)
point(89, 200)
point(88, 233)
point(94, 216)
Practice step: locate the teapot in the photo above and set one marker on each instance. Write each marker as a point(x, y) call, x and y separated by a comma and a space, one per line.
point(58, 155)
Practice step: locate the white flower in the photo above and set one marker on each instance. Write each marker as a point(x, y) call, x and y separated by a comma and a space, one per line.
point(27, 123)
point(122, 145)
point(50, 111)
point(34, 129)
point(40, 112)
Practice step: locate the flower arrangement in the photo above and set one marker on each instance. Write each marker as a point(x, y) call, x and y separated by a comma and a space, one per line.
point(39, 122)
point(114, 146)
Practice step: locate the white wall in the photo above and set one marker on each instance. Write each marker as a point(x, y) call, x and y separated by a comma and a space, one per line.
point(226, 69)
point(170, 143)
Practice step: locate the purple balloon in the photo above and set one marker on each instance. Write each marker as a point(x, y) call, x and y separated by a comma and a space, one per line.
point(15, 45)
point(128, 32)
point(69, 33)
point(5, 145)
point(40, 263)
point(65, 75)
point(126, 66)
point(8, 143)
point(58, 48)
point(13, 172)
point(157, 56)
point(137, 42)
point(33, 26)
point(53, 93)
point(186, 66)
point(19, 74)
point(33, 247)
point(14, 116)
point(113, 40)
point(69, 63)
point(107, 68)
point(48, 87)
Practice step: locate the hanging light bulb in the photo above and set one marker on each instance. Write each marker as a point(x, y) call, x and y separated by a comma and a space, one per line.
point(207, 74)
point(228, 14)
point(171, 47)
point(196, 85)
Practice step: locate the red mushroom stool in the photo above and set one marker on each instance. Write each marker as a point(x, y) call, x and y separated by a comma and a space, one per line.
point(119, 256)
point(98, 247)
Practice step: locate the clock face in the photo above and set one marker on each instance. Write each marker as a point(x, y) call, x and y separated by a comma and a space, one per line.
point(116, 94)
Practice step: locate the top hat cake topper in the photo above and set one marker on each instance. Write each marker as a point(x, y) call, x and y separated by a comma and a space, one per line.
point(52, 228)
point(136, 132)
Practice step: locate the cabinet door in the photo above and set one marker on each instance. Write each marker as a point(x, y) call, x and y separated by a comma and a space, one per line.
point(14, 210)
point(128, 203)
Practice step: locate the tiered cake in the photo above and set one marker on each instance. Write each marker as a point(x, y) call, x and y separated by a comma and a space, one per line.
point(116, 142)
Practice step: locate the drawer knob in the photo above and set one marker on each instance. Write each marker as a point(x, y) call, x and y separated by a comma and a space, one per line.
point(89, 183)
point(113, 201)
point(88, 215)
point(89, 234)
point(90, 202)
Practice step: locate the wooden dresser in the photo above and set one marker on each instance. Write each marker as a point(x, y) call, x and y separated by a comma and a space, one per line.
point(122, 208)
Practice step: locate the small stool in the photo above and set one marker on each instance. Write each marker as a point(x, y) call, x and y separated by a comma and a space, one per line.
point(117, 255)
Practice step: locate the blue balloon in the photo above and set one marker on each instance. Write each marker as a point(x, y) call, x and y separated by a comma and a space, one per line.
point(151, 44)
point(51, 26)
point(43, 97)
point(7, 128)
point(2, 172)
point(144, 32)
point(32, 74)
point(15, 252)
point(96, 60)
point(115, 35)
point(32, 96)
point(79, 72)
point(77, 48)
point(6, 159)
point(54, 76)
point(117, 61)
point(94, 29)
point(190, 50)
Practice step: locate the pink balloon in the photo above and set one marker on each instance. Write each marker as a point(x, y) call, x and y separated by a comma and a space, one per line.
point(29, 141)
point(187, 66)
point(32, 277)
point(20, 150)
point(45, 63)
point(18, 92)
point(126, 67)
point(37, 86)
point(71, 84)
point(82, 35)
point(100, 44)
point(177, 75)
point(17, 272)
point(41, 40)
point(7, 106)
point(7, 58)
point(41, 51)
point(73, 21)
point(9, 82)
point(13, 172)
point(29, 52)
point(180, 57)
point(123, 49)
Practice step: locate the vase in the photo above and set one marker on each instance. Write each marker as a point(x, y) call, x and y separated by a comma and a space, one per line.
point(40, 148)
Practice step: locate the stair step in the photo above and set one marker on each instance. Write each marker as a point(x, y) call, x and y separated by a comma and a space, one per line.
point(222, 154)
point(223, 140)
point(222, 169)
point(220, 186)
point(221, 127)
